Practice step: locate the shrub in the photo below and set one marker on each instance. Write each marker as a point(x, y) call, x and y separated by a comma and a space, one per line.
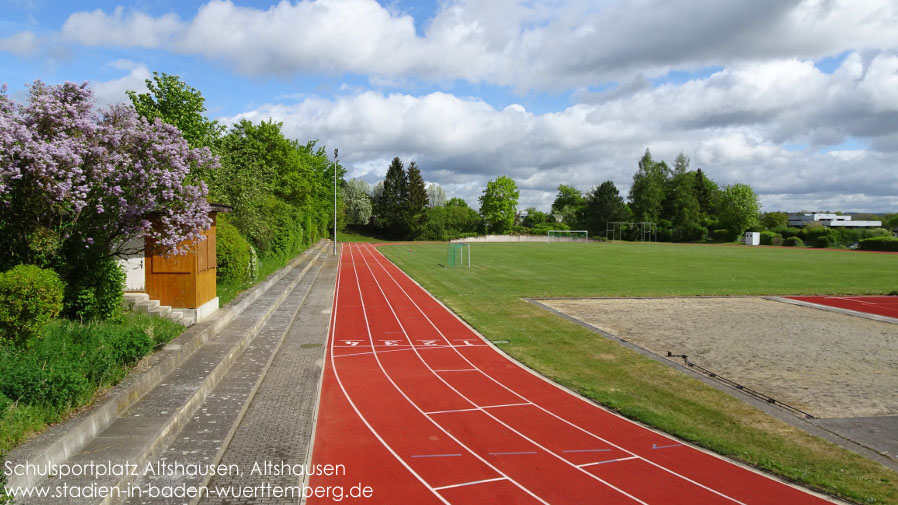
point(29, 297)
point(823, 241)
point(879, 244)
point(232, 253)
point(691, 232)
point(793, 242)
point(95, 293)
point(767, 237)
point(722, 234)
point(66, 366)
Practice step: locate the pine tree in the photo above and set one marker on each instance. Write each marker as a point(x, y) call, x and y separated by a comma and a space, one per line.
point(604, 205)
point(391, 203)
point(416, 202)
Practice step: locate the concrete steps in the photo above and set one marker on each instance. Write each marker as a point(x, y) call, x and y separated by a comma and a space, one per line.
point(143, 415)
point(142, 304)
point(206, 436)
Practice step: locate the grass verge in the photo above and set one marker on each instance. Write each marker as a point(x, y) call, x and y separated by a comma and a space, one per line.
point(489, 294)
point(64, 369)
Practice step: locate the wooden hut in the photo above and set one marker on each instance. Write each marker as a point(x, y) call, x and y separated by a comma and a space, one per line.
point(184, 282)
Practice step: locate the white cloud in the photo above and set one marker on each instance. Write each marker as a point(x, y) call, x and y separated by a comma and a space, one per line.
point(551, 46)
point(134, 29)
point(112, 92)
point(21, 44)
point(730, 124)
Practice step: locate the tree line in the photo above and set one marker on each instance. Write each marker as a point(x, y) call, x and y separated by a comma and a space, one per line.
point(683, 205)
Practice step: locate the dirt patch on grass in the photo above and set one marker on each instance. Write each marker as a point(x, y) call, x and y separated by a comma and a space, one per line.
point(827, 364)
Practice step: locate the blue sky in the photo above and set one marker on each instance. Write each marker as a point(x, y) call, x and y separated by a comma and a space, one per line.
point(797, 98)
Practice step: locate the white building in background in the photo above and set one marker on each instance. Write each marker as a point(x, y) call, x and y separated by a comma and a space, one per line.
point(830, 220)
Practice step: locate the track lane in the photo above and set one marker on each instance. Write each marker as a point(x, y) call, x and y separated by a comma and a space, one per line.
point(396, 350)
point(699, 469)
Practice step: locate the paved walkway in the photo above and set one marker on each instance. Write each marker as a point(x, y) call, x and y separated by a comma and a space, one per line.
point(237, 391)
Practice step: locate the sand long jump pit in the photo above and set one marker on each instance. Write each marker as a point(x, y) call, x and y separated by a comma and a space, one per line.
point(841, 369)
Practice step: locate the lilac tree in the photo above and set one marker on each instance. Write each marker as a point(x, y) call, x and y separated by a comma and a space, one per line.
point(76, 181)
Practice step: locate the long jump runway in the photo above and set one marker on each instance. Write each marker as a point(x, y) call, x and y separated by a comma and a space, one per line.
point(418, 408)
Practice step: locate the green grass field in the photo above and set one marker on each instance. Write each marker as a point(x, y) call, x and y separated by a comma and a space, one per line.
point(488, 296)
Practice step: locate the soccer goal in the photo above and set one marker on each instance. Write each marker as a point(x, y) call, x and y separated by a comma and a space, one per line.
point(568, 236)
point(458, 253)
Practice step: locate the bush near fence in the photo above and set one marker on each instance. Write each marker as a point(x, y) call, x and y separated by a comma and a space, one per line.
point(889, 244)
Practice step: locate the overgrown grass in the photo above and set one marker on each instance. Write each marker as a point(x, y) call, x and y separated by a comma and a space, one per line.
point(63, 370)
point(488, 296)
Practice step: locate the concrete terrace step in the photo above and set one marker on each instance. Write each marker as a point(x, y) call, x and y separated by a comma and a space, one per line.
point(205, 437)
point(144, 412)
point(141, 303)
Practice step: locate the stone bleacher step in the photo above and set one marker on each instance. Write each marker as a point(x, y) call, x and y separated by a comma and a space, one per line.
point(137, 434)
point(205, 436)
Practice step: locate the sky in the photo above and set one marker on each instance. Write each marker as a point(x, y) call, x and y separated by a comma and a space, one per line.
point(798, 98)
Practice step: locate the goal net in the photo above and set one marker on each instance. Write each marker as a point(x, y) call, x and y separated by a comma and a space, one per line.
point(568, 236)
point(459, 253)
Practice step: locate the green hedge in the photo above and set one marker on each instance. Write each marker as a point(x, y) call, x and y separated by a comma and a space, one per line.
point(232, 253)
point(95, 292)
point(771, 238)
point(879, 244)
point(793, 242)
point(29, 297)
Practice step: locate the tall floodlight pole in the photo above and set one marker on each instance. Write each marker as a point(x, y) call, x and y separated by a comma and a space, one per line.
point(335, 202)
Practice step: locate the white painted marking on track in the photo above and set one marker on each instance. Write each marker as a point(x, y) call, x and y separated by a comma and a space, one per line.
point(358, 413)
point(469, 483)
point(506, 405)
point(450, 411)
point(687, 479)
point(467, 343)
point(608, 461)
point(383, 370)
point(372, 352)
point(460, 370)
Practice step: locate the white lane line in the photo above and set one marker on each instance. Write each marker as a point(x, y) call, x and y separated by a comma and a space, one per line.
point(496, 419)
point(370, 352)
point(588, 450)
point(450, 411)
point(608, 461)
point(506, 405)
point(436, 456)
point(547, 411)
point(460, 370)
point(469, 483)
point(358, 413)
point(478, 409)
point(409, 400)
point(516, 453)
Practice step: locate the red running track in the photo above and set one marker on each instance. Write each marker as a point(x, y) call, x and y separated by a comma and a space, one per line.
point(419, 407)
point(880, 305)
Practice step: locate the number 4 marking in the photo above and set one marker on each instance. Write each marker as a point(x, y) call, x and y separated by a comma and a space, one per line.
point(352, 343)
